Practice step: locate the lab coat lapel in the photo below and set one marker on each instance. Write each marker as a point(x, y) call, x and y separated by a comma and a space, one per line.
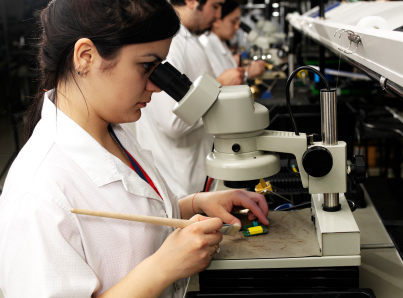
point(145, 159)
point(153, 173)
point(133, 183)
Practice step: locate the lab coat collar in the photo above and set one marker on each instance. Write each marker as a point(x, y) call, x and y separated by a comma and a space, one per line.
point(183, 31)
point(101, 166)
point(217, 41)
point(133, 183)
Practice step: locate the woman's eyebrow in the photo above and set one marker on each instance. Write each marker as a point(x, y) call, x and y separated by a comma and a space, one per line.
point(157, 57)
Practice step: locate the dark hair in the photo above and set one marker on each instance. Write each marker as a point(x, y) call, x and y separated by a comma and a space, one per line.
point(183, 2)
point(109, 24)
point(228, 7)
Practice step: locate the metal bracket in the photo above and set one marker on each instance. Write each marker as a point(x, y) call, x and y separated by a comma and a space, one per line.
point(382, 81)
point(352, 37)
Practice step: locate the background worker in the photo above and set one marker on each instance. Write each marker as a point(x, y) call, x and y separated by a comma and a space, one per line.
point(95, 59)
point(222, 31)
point(180, 150)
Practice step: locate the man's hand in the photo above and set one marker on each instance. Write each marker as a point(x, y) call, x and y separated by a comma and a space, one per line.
point(237, 58)
point(256, 68)
point(233, 76)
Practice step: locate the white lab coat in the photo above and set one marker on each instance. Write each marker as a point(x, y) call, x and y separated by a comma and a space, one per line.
point(46, 251)
point(179, 150)
point(219, 55)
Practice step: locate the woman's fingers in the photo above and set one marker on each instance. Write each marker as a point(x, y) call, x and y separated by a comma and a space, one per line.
point(257, 206)
point(260, 200)
point(227, 217)
point(208, 226)
point(251, 216)
point(199, 217)
point(214, 249)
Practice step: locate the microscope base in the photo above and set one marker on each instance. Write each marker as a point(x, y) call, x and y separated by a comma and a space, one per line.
point(329, 261)
point(274, 280)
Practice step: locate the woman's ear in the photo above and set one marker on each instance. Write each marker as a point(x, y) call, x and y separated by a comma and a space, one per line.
point(85, 55)
point(217, 24)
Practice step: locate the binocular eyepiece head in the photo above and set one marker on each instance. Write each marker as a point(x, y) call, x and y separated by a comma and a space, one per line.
point(169, 79)
point(245, 27)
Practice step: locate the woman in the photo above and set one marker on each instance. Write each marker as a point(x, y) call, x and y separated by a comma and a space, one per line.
point(224, 29)
point(96, 57)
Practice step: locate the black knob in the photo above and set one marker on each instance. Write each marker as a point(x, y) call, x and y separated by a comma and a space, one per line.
point(317, 161)
point(358, 168)
point(236, 147)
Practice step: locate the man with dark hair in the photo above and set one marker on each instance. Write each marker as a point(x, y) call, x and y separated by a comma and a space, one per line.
point(183, 2)
point(179, 150)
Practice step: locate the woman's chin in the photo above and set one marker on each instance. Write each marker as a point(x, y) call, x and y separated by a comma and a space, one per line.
point(133, 117)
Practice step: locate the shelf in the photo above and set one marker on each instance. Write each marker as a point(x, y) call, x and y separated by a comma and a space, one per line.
point(379, 54)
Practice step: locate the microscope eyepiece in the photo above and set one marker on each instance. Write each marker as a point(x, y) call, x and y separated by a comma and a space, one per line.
point(245, 27)
point(170, 80)
point(254, 19)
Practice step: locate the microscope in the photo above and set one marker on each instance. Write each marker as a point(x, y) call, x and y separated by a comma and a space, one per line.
point(268, 28)
point(260, 44)
point(245, 152)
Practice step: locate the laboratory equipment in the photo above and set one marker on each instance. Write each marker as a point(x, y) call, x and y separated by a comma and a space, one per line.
point(245, 152)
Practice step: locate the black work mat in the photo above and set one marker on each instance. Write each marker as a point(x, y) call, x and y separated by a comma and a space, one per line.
point(387, 196)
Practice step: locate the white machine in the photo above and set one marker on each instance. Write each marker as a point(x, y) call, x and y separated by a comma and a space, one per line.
point(262, 44)
point(244, 152)
point(268, 28)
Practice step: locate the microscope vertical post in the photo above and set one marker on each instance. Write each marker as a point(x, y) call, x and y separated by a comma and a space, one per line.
point(328, 103)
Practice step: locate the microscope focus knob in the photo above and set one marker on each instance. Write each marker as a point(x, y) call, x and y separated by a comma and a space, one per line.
point(317, 161)
point(358, 168)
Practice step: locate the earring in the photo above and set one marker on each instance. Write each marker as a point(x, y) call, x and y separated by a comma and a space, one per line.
point(79, 72)
point(84, 72)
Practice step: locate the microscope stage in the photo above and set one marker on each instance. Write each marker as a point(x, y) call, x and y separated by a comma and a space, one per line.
point(295, 241)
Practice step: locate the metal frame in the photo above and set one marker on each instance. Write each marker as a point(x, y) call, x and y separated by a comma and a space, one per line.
point(373, 50)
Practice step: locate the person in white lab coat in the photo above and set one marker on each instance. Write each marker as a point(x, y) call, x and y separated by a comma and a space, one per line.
point(180, 150)
point(214, 42)
point(96, 58)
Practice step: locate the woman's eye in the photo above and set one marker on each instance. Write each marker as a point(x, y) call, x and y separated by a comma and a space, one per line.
point(148, 65)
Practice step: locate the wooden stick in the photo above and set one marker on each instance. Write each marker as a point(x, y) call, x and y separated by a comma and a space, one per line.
point(162, 221)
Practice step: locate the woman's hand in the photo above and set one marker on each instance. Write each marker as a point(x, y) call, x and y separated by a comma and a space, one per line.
point(221, 203)
point(188, 251)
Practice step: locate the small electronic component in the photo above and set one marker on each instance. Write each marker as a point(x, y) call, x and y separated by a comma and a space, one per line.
point(253, 230)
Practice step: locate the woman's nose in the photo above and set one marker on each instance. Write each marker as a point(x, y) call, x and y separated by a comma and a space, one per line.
point(152, 87)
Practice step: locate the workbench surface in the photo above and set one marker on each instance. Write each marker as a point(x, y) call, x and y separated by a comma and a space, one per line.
point(381, 268)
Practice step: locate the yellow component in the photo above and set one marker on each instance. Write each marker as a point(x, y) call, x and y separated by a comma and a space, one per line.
point(263, 185)
point(302, 74)
point(269, 66)
point(255, 92)
point(255, 230)
point(294, 168)
point(258, 81)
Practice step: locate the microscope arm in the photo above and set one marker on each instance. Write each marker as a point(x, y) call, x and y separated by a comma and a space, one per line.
point(285, 142)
